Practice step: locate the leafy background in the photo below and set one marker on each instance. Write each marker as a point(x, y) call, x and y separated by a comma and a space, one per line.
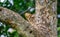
point(58, 12)
point(21, 7)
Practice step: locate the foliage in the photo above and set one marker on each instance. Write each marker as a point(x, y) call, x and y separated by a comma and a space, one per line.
point(58, 11)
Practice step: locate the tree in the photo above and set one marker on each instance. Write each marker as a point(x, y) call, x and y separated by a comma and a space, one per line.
point(41, 24)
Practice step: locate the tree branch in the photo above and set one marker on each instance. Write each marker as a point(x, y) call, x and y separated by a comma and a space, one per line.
point(16, 21)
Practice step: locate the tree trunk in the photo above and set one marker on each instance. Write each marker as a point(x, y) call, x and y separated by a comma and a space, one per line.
point(45, 18)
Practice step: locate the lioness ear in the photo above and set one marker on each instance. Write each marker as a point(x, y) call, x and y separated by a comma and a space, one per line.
point(30, 18)
point(28, 15)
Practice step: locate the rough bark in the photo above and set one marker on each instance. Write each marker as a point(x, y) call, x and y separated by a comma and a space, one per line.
point(45, 18)
point(16, 21)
